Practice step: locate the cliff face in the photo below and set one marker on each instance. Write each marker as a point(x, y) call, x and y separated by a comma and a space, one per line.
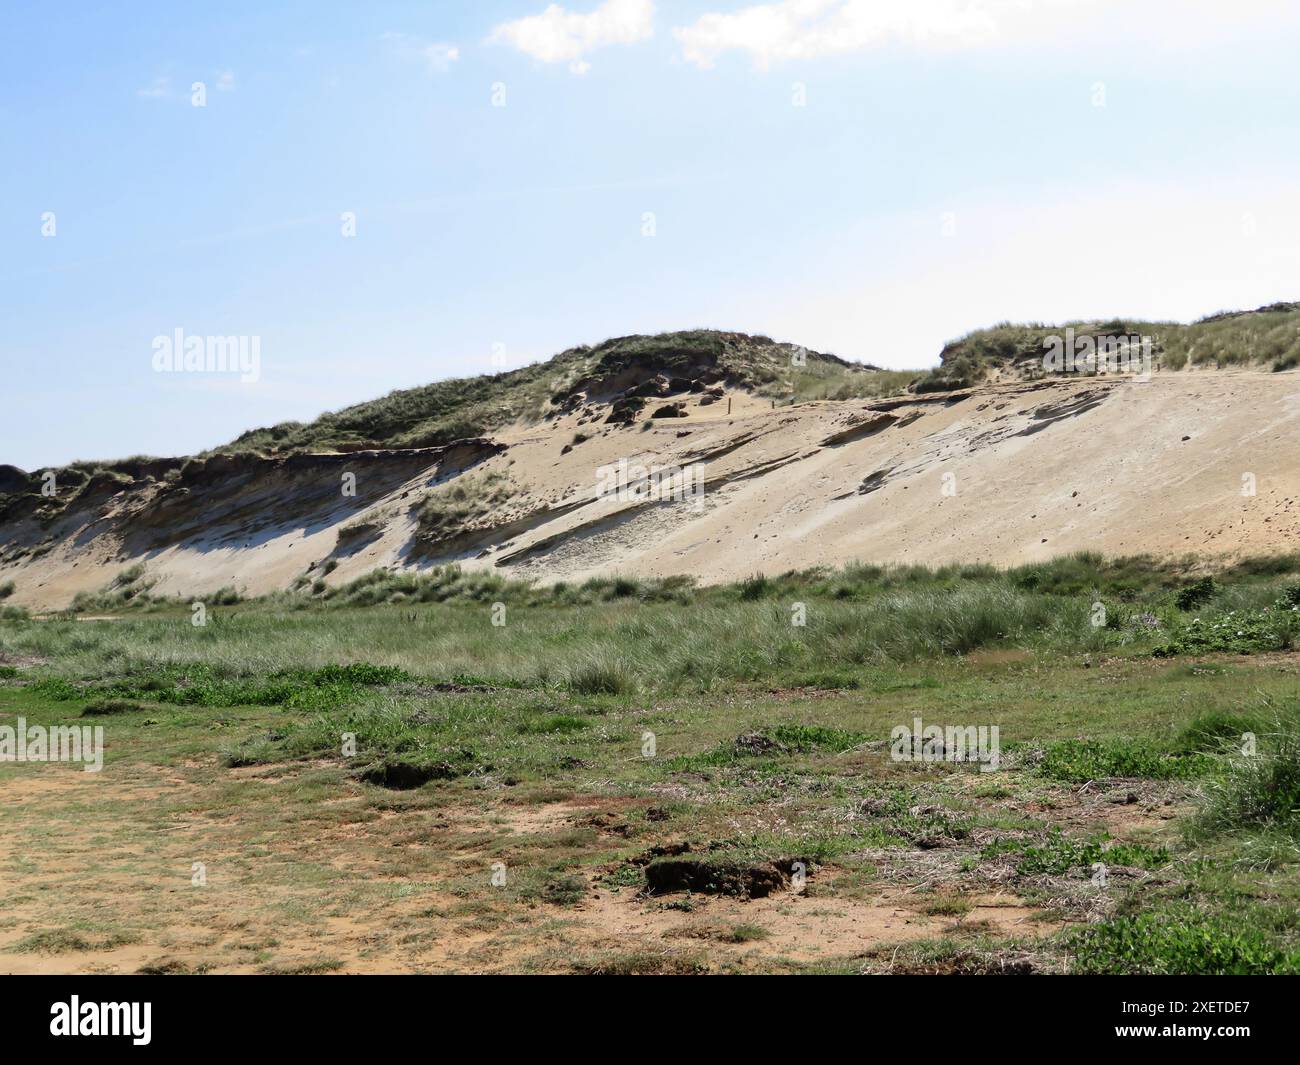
point(682, 466)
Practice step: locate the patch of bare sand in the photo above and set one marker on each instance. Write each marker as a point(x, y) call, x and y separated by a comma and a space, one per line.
point(390, 894)
point(797, 926)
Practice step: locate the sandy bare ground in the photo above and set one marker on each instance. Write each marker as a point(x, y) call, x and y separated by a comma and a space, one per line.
point(119, 896)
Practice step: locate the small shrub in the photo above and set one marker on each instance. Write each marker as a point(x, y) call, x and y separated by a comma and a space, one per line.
point(564, 890)
point(109, 707)
point(600, 677)
point(363, 673)
point(402, 772)
point(1195, 595)
point(745, 933)
point(623, 588)
point(1235, 632)
point(947, 906)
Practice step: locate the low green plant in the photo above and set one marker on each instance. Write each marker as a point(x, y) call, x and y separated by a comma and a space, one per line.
point(1235, 632)
point(1181, 939)
point(1061, 853)
point(1078, 761)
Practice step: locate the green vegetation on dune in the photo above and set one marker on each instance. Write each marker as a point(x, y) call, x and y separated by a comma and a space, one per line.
point(450, 510)
point(458, 408)
point(1267, 338)
point(455, 409)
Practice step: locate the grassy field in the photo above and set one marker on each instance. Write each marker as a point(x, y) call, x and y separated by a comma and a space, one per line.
point(456, 773)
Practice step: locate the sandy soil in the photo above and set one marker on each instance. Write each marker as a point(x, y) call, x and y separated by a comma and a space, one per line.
point(250, 919)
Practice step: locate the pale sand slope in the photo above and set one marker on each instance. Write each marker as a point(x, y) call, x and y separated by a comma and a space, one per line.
point(1007, 474)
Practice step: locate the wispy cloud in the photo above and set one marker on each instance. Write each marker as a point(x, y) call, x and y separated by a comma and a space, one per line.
point(226, 81)
point(438, 56)
point(157, 89)
point(809, 29)
point(561, 36)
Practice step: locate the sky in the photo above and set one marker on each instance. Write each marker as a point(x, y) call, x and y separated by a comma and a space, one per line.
point(390, 193)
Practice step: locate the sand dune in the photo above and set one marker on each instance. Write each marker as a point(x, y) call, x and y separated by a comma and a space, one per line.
point(1004, 473)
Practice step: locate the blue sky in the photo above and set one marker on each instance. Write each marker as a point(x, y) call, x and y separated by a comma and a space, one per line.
point(954, 163)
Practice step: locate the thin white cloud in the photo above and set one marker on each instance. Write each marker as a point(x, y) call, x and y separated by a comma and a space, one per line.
point(159, 88)
point(226, 81)
point(560, 36)
point(809, 29)
point(438, 56)
point(805, 29)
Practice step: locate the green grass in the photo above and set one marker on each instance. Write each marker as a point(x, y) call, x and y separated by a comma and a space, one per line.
point(947, 906)
point(858, 617)
point(332, 757)
point(310, 967)
point(1060, 853)
point(83, 937)
point(1078, 761)
point(745, 933)
point(1260, 792)
point(1215, 733)
point(1181, 940)
point(1267, 338)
